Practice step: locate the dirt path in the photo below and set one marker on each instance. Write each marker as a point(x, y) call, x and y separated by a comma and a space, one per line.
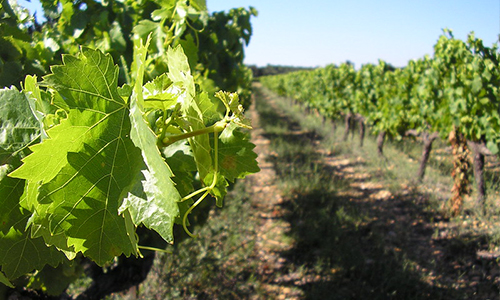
point(442, 263)
point(266, 200)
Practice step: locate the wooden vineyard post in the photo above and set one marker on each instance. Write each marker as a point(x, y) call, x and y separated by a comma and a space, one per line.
point(459, 173)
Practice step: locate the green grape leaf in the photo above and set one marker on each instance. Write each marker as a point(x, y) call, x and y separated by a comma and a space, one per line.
point(220, 189)
point(158, 34)
point(5, 280)
point(89, 163)
point(492, 146)
point(209, 108)
point(20, 254)
point(199, 4)
point(477, 85)
point(57, 240)
point(159, 208)
point(191, 50)
point(485, 101)
point(11, 190)
point(159, 213)
point(180, 159)
point(118, 42)
point(38, 224)
point(65, 273)
point(236, 156)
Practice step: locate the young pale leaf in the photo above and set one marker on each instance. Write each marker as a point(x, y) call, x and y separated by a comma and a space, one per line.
point(160, 94)
point(18, 126)
point(180, 75)
point(89, 161)
point(178, 67)
point(41, 105)
point(18, 129)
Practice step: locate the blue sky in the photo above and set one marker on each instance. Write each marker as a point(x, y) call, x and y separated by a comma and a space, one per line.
point(317, 33)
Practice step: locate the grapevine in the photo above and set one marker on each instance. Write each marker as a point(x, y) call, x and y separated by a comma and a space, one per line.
point(96, 150)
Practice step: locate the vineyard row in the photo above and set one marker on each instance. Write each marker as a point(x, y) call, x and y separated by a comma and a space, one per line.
point(452, 95)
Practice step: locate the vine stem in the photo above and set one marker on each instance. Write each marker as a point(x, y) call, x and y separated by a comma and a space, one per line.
point(154, 249)
point(216, 128)
point(184, 219)
point(206, 189)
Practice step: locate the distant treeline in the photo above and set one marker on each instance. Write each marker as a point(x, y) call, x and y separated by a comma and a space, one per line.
point(274, 70)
